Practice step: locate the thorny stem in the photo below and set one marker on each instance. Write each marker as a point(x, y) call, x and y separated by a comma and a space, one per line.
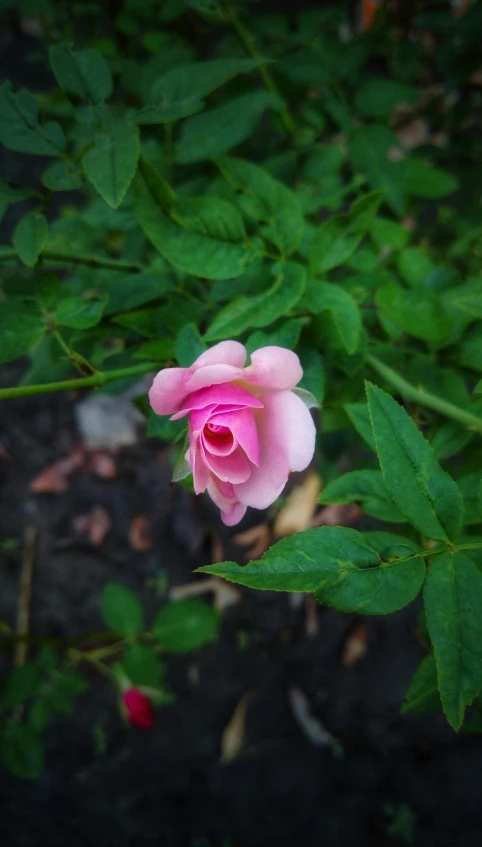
point(93, 381)
point(425, 398)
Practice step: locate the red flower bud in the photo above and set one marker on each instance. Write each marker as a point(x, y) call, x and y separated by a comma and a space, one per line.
point(139, 708)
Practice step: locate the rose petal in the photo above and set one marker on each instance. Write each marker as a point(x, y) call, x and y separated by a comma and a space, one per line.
point(224, 353)
point(287, 442)
point(233, 468)
point(213, 375)
point(219, 444)
point(200, 472)
point(223, 495)
point(243, 426)
point(274, 367)
point(168, 390)
point(218, 394)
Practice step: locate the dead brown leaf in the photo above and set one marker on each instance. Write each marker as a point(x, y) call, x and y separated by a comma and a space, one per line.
point(296, 514)
point(101, 464)
point(257, 539)
point(311, 615)
point(337, 514)
point(55, 478)
point(225, 595)
point(217, 549)
point(356, 645)
point(140, 534)
point(413, 134)
point(95, 525)
point(311, 726)
point(232, 741)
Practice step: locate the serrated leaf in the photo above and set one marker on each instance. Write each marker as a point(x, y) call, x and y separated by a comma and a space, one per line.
point(337, 238)
point(424, 493)
point(80, 312)
point(21, 751)
point(263, 309)
point(423, 695)
point(211, 216)
point(268, 201)
point(20, 128)
point(423, 180)
point(324, 296)
point(30, 237)
point(197, 254)
point(218, 130)
point(21, 328)
point(418, 313)
point(453, 600)
point(121, 610)
point(374, 573)
point(180, 92)
point(360, 418)
point(111, 163)
point(185, 625)
point(142, 665)
point(84, 73)
point(189, 345)
point(367, 150)
point(367, 488)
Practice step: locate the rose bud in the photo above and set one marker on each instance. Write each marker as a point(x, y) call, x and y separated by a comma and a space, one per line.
point(247, 427)
point(138, 708)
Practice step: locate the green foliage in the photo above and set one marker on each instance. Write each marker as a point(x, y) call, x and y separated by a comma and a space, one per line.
point(121, 610)
point(185, 625)
point(295, 189)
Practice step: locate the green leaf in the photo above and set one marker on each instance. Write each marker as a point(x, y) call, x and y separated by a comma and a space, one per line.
point(63, 176)
point(21, 328)
point(453, 600)
point(374, 573)
point(9, 195)
point(185, 625)
point(197, 254)
point(313, 379)
point(111, 163)
point(180, 92)
point(367, 488)
point(323, 296)
point(80, 312)
point(414, 266)
point(388, 233)
point(377, 98)
point(142, 666)
point(381, 590)
point(469, 488)
point(418, 313)
point(286, 335)
point(360, 418)
point(337, 238)
point(19, 126)
point(218, 130)
point(121, 610)
point(467, 299)
point(30, 237)
point(267, 201)
point(423, 695)
point(210, 216)
point(367, 150)
point(189, 345)
point(423, 180)
point(133, 290)
point(424, 493)
point(20, 684)
point(83, 73)
point(21, 751)
point(262, 309)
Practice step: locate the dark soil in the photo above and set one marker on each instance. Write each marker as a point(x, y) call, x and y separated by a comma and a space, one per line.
point(167, 786)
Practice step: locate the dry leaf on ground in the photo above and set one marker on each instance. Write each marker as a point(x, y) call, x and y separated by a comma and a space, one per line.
point(232, 741)
point(257, 540)
point(55, 478)
point(356, 645)
point(311, 726)
point(140, 534)
point(337, 514)
point(95, 525)
point(225, 595)
point(296, 514)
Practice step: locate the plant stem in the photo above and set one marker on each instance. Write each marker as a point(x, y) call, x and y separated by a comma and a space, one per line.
point(97, 379)
point(425, 398)
point(8, 253)
point(249, 44)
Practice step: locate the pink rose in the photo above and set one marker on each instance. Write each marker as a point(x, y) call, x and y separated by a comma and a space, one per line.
point(138, 708)
point(247, 428)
